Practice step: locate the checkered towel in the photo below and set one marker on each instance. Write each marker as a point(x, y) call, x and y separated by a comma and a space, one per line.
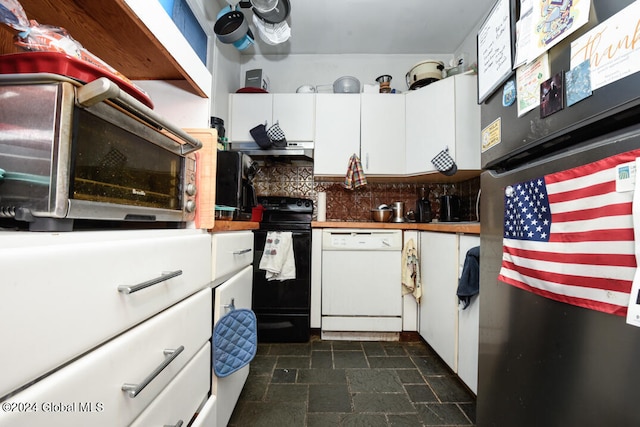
point(443, 161)
point(355, 175)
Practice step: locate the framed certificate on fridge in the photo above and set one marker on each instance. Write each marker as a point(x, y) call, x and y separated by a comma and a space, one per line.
point(495, 49)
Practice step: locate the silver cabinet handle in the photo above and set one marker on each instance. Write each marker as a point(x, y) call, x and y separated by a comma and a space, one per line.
point(134, 389)
point(230, 307)
point(129, 289)
point(178, 424)
point(242, 251)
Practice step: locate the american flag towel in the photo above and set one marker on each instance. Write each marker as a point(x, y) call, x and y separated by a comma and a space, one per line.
point(569, 236)
point(355, 175)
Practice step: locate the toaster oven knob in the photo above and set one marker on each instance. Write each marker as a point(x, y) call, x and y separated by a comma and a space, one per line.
point(191, 189)
point(190, 206)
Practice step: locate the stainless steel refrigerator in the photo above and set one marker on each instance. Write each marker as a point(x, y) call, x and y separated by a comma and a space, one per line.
point(544, 359)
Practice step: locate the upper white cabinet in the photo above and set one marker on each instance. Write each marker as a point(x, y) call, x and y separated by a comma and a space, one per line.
point(443, 114)
point(295, 113)
point(337, 135)
point(382, 134)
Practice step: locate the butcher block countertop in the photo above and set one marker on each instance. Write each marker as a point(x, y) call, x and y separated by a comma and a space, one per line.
point(222, 225)
point(446, 227)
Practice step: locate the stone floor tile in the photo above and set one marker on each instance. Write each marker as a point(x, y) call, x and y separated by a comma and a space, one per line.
point(346, 345)
point(363, 420)
point(287, 393)
point(321, 359)
point(323, 419)
point(404, 420)
point(284, 376)
point(293, 362)
point(290, 349)
point(438, 414)
point(349, 359)
point(329, 398)
point(410, 376)
point(373, 348)
point(449, 389)
point(262, 414)
point(322, 376)
point(391, 362)
point(420, 393)
point(386, 403)
point(374, 381)
point(429, 365)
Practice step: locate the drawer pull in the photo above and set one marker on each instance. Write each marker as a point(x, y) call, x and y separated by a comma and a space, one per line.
point(242, 251)
point(230, 307)
point(134, 389)
point(129, 289)
point(178, 424)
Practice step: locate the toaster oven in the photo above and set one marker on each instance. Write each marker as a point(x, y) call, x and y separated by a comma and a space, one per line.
point(70, 151)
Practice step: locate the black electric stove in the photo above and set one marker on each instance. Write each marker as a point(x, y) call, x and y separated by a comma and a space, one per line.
point(283, 307)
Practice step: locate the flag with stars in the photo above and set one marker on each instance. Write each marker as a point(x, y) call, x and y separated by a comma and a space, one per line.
point(569, 236)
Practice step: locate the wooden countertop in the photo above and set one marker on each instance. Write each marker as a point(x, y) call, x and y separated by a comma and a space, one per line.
point(222, 225)
point(446, 227)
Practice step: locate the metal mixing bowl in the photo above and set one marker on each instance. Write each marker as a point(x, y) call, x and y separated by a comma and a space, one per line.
point(381, 215)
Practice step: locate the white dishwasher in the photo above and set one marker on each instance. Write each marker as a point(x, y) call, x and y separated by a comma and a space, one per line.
point(361, 282)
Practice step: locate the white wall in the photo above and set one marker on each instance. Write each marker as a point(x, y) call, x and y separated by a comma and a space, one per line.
point(287, 73)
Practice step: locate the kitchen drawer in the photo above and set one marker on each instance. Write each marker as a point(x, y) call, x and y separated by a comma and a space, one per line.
point(208, 414)
point(230, 252)
point(60, 292)
point(88, 392)
point(180, 400)
point(227, 390)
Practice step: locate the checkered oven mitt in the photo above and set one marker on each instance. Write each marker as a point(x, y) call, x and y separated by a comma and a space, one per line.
point(276, 135)
point(444, 162)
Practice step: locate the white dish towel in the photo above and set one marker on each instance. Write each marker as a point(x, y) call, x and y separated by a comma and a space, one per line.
point(277, 258)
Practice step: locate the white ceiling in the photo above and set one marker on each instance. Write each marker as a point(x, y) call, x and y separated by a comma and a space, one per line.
point(375, 26)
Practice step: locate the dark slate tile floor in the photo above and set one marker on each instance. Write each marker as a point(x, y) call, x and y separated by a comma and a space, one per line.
point(352, 383)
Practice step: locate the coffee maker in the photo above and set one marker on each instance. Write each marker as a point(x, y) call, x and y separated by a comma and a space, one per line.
point(234, 183)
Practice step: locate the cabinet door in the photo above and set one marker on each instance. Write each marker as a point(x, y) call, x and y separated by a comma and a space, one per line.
point(295, 113)
point(468, 325)
point(337, 133)
point(247, 110)
point(382, 128)
point(430, 125)
point(439, 303)
point(468, 142)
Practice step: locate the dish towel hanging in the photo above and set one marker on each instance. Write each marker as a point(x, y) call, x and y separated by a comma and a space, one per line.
point(234, 341)
point(355, 174)
point(469, 283)
point(278, 258)
point(411, 271)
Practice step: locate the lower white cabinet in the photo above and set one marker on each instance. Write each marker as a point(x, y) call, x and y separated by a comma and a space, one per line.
point(179, 400)
point(439, 306)
point(233, 281)
point(113, 384)
point(468, 324)
point(449, 330)
point(66, 293)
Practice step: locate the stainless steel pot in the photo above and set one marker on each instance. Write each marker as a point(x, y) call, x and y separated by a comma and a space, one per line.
point(231, 27)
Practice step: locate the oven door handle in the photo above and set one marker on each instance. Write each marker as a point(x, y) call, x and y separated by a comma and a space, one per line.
point(103, 88)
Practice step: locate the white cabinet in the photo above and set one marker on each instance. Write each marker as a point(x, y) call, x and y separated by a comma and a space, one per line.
point(443, 114)
point(382, 134)
point(295, 113)
point(439, 304)
point(90, 391)
point(71, 301)
point(468, 324)
point(233, 285)
point(337, 133)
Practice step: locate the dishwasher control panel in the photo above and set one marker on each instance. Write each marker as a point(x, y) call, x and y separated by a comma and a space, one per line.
point(371, 240)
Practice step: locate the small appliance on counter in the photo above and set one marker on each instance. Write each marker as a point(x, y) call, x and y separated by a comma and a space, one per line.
point(234, 183)
point(398, 212)
point(423, 208)
point(449, 208)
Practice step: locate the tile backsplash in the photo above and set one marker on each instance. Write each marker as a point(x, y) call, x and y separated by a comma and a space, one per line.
point(355, 205)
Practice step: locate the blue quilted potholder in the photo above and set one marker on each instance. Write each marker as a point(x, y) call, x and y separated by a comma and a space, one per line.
point(235, 341)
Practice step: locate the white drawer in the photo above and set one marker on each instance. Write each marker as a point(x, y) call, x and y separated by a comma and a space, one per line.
point(180, 400)
point(88, 392)
point(60, 293)
point(230, 251)
point(227, 390)
point(208, 414)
